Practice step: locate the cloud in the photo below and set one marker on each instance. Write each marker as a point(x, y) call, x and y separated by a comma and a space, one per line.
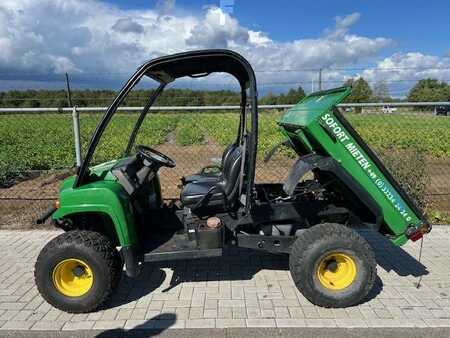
point(98, 40)
point(402, 70)
point(127, 25)
point(217, 30)
point(413, 65)
point(343, 24)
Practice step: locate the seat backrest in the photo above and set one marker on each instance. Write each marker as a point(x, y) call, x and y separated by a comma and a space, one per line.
point(227, 153)
point(230, 172)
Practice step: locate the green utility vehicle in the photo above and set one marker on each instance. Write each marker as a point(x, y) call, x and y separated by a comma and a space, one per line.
point(114, 215)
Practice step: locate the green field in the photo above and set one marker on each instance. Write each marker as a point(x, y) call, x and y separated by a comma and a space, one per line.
point(45, 141)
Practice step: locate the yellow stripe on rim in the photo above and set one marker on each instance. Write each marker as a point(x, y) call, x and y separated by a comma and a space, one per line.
point(73, 277)
point(337, 271)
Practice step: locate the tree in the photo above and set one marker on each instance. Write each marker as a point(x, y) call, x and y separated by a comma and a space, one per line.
point(429, 90)
point(361, 91)
point(381, 92)
point(294, 95)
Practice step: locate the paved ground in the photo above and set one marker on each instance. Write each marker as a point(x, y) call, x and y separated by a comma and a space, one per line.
point(242, 289)
point(302, 332)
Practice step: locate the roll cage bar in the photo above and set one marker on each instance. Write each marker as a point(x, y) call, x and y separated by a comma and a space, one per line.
point(194, 64)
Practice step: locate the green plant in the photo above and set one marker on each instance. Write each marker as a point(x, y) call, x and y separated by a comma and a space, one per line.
point(410, 169)
point(189, 132)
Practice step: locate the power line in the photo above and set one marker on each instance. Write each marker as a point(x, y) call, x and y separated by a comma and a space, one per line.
point(256, 70)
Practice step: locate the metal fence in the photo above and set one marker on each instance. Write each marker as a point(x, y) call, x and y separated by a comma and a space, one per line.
point(37, 148)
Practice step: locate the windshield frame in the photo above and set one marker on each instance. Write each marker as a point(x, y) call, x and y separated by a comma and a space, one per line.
point(242, 71)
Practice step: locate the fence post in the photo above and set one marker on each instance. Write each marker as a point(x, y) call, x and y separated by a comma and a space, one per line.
point(76, 134)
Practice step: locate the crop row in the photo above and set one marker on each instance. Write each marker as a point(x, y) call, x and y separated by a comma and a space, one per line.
point(40, 142)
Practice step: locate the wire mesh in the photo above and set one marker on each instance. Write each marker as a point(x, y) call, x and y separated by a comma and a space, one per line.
point(37, 152)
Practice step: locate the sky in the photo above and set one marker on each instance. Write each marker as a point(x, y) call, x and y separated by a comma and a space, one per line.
point(100, 43)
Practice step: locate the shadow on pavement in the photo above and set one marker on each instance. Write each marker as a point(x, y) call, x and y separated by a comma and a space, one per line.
point(152, 327)
point(132, 289)
point(242, 264)
point(393, 258)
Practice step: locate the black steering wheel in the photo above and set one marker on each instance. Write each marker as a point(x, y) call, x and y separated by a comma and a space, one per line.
point(152, 156)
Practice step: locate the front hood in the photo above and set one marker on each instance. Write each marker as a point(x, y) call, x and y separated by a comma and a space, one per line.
point(100, 171)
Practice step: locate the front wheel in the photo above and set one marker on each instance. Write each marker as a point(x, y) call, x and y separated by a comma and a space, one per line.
point(332, 265)
point(77, 271)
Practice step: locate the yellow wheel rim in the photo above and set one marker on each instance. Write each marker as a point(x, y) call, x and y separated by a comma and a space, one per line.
point(73, 277)
point(337, 271)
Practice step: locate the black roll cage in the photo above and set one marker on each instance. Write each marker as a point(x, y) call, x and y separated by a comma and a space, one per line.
point(193, 64)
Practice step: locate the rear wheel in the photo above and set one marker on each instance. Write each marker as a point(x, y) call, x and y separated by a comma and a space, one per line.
point(77, 271)
point(332, 265)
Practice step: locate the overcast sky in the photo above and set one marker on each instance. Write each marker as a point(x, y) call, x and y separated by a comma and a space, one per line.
point(101, 42)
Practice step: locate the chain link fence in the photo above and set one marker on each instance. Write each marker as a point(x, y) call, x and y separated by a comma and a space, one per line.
point(37, 150)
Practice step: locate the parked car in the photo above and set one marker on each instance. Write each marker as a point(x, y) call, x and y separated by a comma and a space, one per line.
point(443, 110)
point(388, 110)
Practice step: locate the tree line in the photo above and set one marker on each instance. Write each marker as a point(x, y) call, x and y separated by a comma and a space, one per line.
point(424, 90)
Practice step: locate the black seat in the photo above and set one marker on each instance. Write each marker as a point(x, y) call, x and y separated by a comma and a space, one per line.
point(221, 191)
point(210, 173)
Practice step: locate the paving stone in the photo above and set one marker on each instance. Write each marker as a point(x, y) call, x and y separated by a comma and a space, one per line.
point(201, 323)
point(152, 314)
point(155, 305)
point(138, 324)
point(232, 303)
point(47, 326)
point(239, 312)
point(108, 324)
point(211, 304)
point(230, 323)
point(74, 326)
point(310, 312)
point(260, 322)
point(17, 325)
point(351, 322)
point(23, 315)
point(290, 322)
point(177, 303)
point(12, 306)
point(196, 312)
point(210, 313)
point(224, 313)
point(438, 322)
point(79, 317)
point(320, 322)
point(110, 314)
point(9, 314)
point(138, 313)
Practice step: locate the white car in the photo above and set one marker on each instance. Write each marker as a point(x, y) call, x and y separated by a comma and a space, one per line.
point(388, 110)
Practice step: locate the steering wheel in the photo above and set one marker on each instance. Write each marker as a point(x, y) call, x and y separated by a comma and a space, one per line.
point(152, 155)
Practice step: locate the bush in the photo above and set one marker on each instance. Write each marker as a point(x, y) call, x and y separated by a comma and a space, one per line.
point(409, 168)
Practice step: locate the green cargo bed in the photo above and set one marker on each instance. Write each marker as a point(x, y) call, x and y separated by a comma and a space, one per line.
point(315, 125)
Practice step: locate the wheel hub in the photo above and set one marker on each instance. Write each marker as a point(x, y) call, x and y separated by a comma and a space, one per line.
point(73, 277)
point(337, 271)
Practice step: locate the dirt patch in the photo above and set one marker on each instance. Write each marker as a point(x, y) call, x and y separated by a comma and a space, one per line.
point(22, 203)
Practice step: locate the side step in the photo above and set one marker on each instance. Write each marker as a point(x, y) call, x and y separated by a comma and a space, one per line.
point(175, 246)
point(177, 255)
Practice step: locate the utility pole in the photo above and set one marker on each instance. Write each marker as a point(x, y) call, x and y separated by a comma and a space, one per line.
point(320, 79)
point(69, 95)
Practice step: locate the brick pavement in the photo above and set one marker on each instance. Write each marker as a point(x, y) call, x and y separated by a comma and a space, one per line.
point(241, 289)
